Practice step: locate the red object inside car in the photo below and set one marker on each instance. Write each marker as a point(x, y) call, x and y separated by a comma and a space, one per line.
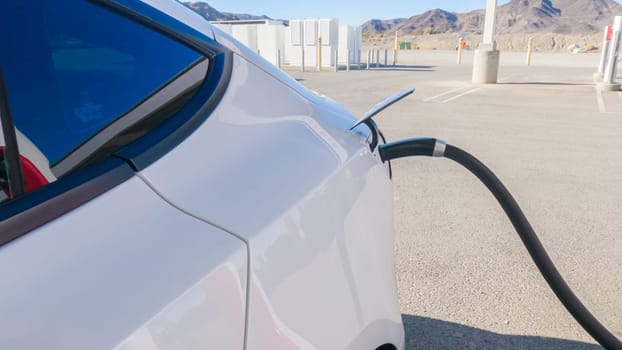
point(33, 178)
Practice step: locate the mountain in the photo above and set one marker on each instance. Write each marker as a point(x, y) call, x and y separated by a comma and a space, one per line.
point(376, 26)
point(429, 22)
point(517, 16)
point(208, 12)
point(244, 16)
point(211, 14)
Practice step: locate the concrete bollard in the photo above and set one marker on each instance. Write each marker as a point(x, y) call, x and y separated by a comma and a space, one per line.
point(529, 48)
point(485, 66)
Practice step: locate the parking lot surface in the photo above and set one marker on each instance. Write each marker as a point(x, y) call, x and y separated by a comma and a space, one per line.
point(465, 280)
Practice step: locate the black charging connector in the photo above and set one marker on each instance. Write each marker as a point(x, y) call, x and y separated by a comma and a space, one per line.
point(435, 148)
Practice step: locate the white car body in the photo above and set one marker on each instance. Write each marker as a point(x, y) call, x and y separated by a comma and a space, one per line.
point(267, 227)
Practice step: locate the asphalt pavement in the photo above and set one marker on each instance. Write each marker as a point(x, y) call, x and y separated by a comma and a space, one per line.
point(465, 280)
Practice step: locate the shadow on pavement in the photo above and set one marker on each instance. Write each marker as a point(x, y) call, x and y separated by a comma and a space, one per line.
point(405, 68)
point(543, 83)
point(429, 334)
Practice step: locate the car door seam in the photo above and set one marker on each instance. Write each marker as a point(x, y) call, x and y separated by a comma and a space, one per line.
point(144, 179)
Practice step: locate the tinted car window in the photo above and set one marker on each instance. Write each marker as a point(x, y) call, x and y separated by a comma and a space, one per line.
point(73, 68)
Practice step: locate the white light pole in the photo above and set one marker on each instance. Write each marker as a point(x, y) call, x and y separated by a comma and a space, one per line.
point(610, 73)
point(486, 58)
point(604, 56)
point(489, 23)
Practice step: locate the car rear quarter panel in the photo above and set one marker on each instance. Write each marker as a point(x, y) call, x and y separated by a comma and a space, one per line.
point(286, 175)
point(124, 270)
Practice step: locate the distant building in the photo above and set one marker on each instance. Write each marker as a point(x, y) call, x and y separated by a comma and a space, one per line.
point(265, 37)
point(287, 45)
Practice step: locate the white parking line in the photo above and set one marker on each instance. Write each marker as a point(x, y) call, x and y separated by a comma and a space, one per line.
point(443, 94)
point(461, 95)
point(601, 101)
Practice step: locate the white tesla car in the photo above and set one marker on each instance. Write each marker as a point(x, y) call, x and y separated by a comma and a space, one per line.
point(165, 188)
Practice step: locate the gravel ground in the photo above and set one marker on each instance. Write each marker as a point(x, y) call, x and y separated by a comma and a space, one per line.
point(465, 280)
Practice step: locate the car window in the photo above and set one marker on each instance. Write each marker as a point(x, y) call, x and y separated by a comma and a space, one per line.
point(81, 79)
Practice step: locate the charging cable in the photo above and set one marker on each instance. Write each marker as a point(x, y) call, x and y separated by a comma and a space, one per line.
point(435, 148)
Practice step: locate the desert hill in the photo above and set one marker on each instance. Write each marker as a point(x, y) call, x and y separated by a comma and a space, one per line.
point(211, 14)
point(517, 16)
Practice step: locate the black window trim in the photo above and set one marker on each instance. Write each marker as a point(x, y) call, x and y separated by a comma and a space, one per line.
point(32, 210)
point(12, 161)
point(157, 143)
point(135, 114)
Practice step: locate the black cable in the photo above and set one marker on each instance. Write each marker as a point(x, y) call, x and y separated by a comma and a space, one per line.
point(407, 148)
point(418, 147)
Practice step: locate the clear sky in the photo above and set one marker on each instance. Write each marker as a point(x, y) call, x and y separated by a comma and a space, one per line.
point(348, 11)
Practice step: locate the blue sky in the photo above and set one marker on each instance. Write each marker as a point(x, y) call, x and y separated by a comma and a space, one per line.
point(348, 11)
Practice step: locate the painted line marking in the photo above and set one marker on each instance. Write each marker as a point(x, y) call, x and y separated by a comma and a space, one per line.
point(509, 78)
point(443, 94)
point(462, 94)
point(601, 101)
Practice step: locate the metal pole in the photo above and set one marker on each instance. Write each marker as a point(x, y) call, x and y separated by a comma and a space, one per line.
point(358, 58)
point(605, 49)
point(460, 43)
point(529, 48)
point(386, 57)
point(319, 54)
point(377, 58)
point(302, 56)
point(610, 73)
point(348, 62)
point(278, 58)
point(302, 44)
point(368, 57)
point(336, 60)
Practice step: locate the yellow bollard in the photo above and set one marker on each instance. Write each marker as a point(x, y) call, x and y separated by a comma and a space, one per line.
point(460, 44)
point(529, 48)
point(396, 48)
point(319, 54)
